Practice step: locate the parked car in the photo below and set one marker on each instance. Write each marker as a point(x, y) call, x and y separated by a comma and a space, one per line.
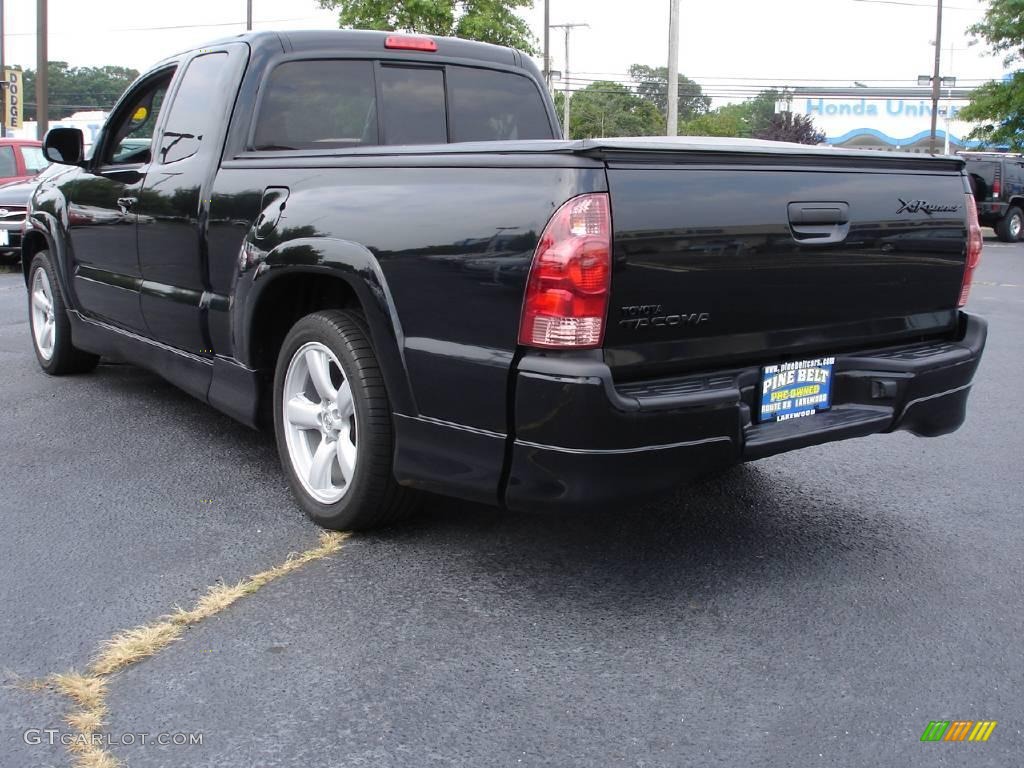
point(376, 243)
point(997, 181)
point(20, 159)
point(14, 199)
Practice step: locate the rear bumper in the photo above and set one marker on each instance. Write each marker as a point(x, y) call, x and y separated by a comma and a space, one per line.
point(582, 440)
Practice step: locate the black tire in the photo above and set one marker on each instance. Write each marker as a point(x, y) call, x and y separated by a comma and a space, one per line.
point(65, 358)
point(1010, 228)
point(372, 498)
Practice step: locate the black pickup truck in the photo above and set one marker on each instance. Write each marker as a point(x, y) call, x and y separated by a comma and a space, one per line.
point(377, 244)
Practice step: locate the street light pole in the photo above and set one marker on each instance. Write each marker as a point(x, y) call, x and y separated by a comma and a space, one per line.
point(673, 68)
point(936, 84)
point(248, 14)
point(3, 75)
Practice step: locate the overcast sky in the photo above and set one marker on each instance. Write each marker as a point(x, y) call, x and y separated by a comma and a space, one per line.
point(723, 42)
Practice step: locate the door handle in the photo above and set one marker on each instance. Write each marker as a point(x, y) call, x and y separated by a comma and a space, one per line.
point(126, 203)
point(819, 223)
point(272, 205)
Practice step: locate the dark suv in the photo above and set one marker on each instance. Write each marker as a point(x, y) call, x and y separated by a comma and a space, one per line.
point(997, 181)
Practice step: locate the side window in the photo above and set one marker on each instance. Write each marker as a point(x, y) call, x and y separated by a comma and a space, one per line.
point(35, 160)
point(413, 109)
point(487, 105)
point(7, 164)
point(131, 136)
point(1016, 172)
point(192, 117)
point(327, 104)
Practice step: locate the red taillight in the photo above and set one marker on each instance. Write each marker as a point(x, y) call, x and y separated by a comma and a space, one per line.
point(567, 291)
point(409, 43)
point(974, 245)
point(997, 188)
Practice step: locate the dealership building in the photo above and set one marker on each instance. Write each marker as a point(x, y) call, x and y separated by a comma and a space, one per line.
point(884, 118)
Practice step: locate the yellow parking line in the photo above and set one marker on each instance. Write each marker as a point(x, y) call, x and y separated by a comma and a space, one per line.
point(88, 690)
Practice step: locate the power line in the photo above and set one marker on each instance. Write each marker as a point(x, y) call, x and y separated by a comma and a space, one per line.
point(930, 6)
point(747, 79)
point(174, 26)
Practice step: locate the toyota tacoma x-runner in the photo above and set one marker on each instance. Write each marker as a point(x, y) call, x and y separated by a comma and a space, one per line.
point(379, 244)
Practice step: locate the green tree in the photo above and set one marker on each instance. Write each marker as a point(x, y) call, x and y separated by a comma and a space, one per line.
point(744, 120)
point(729, 120)
point(489, 21)
point(605, 108)
point(77, 89)
point(998, 107)
point(761, 110)
point(652, 84)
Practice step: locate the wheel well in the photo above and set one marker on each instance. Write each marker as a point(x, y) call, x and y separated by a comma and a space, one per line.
point(283, 303)
point(30, 246)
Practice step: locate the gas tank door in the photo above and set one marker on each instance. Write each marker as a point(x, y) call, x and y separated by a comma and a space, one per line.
point(271, 210)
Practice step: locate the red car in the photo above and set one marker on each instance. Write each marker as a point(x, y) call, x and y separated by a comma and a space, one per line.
point(20, 159)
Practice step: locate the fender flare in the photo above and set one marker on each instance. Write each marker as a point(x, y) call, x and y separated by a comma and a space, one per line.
point(51, 226)
point(335, 258)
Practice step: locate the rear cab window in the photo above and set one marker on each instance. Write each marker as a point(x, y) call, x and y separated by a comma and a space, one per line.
point(318, 104)
point(345, 103)
point(413, 108)
point(495, 106)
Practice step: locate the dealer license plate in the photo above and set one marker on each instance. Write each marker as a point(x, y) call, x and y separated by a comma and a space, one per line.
point(5, 238)
point(795, 389)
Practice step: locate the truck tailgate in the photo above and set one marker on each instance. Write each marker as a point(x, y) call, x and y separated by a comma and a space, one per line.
point(718, 262)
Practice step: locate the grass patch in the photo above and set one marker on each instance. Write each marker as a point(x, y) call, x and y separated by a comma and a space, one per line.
point(88, 691)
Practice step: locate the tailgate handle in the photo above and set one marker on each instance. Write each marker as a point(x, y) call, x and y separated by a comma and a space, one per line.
point(819, 222)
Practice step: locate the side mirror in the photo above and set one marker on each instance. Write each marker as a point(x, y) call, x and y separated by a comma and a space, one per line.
point(64, 145)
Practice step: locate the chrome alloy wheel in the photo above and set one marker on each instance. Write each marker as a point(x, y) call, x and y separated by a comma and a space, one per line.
point(1016, 223)
point(44, 324)
point(319, 422)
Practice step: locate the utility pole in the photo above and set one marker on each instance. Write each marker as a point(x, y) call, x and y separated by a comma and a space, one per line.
point(42, 72)
point(248, 14)
point(673, 68)
point(3, 74)
point(950, 81)
point(936, 80)
point(547, 43)
point(565, 75)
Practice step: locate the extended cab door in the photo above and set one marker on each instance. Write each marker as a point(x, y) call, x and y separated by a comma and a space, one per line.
point(102, 201)
point(174, 207)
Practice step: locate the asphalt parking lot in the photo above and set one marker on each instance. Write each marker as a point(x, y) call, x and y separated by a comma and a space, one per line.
point(786, 613)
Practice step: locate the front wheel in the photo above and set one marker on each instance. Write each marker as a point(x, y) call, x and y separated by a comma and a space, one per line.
point(1011, 226)
point(332, 421)
point(48, 318)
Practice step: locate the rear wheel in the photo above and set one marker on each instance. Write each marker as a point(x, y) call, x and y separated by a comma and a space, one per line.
point(1010, 228)
point(48, 318)
point(332, 421)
